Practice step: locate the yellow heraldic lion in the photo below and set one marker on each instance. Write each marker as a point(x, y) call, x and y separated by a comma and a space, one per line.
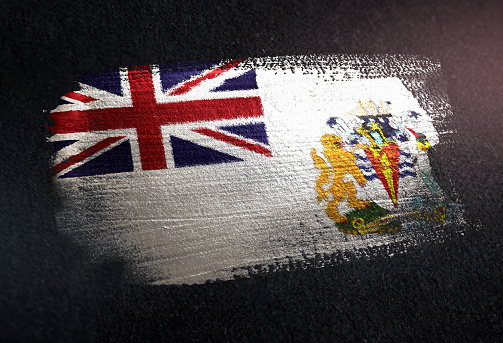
point(341, 163)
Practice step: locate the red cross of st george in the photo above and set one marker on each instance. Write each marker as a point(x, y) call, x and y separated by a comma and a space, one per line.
point(147, 116)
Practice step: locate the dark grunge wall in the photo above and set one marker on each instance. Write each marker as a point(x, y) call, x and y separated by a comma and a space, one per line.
point(52, 290)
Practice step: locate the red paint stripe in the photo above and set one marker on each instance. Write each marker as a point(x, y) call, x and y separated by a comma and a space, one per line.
point(162, 114)
point(413, 132)
point(86, 153)
point(145, 114)
point(80, 97)
point(187, 86)
point(234, 141)
point(141, 86)
point(152, 153)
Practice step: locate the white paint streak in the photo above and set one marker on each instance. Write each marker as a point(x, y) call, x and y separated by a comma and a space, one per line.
point(189, 225)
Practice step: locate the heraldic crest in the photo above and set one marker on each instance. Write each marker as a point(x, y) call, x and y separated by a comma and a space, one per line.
point(380, 170)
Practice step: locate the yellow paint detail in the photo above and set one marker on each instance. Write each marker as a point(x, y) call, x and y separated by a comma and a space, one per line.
point(388, 174)
point(371, 108)
point(436, 216)
point(378, 152)
point(424, 146)
point(374, 127)
point(338, 163)
point(358, 223)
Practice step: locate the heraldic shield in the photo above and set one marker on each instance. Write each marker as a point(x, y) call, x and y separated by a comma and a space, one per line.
point(372, 152)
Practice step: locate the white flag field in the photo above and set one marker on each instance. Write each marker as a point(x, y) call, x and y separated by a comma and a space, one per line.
point(190, 172)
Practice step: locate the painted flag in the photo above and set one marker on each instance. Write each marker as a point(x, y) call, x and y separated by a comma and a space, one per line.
point(197, 171)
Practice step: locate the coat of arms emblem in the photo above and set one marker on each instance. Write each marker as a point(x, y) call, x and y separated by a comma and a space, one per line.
point(379, 172)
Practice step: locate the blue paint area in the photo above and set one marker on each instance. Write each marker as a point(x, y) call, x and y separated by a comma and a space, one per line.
point(387, 129)
point(406, 154)
point(367, 169)
point(243, 82)
point(405, 173)
point(413, 114)
point(362, 158)
point(186, 154)
point(255, 131)
point(371, 177)
point(115, 160)
point(354, 141)
point(110, 82)
point(58, 145)
point(402, 137)
point(377, 138)
point(176, 73)
point(332, 122)
point(64, 102)
point(406, 164)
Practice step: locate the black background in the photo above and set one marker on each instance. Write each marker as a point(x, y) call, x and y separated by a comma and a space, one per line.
point(52, 290)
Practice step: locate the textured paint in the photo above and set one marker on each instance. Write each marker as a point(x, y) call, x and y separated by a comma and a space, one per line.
point(223, 175)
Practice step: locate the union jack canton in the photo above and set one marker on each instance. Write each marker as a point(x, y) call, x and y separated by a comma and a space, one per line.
point(177, 114)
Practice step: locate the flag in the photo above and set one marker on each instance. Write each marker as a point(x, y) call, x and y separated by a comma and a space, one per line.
point(197, 171)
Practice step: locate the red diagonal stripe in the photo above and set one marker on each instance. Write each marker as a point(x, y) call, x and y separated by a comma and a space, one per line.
point(147, 116)
point(80, 97)
point(86, 153)
point(234, 141)
point(187, 86)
